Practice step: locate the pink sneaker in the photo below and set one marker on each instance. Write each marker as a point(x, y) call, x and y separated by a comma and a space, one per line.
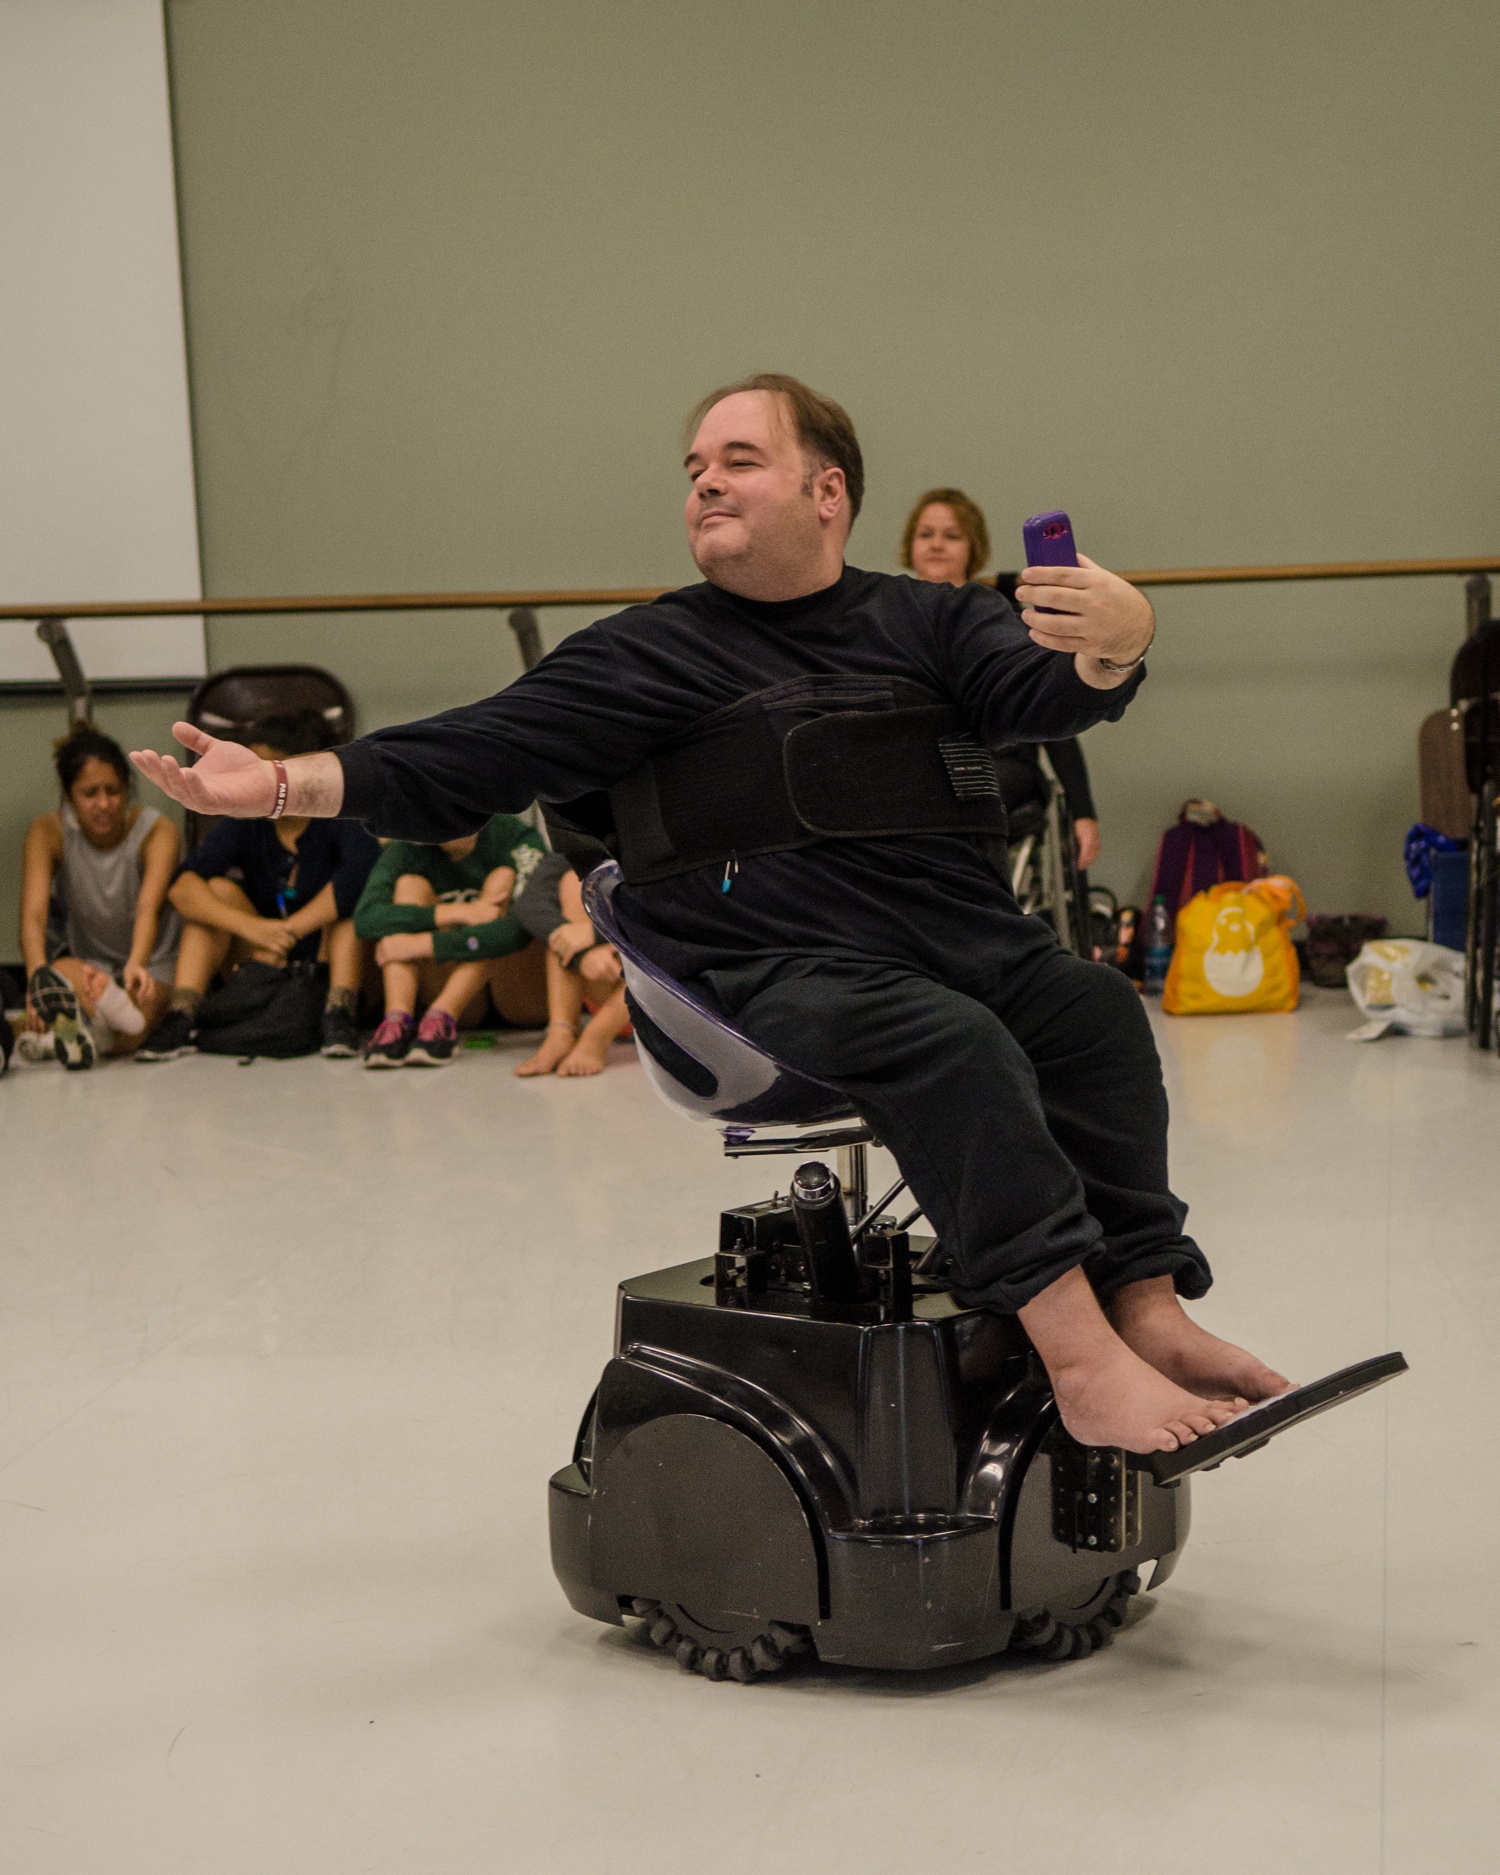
point(391, 1042)
point(437, 1037)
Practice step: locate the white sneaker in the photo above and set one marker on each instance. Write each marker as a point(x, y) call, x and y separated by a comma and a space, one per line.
point(36, 1048)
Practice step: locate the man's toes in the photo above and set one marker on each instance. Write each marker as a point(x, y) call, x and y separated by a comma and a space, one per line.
point(1182, 1431)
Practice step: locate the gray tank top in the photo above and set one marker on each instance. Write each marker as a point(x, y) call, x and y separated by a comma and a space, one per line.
point(98, 892)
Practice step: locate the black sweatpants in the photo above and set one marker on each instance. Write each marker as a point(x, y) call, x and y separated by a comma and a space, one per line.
point(1024, 1106)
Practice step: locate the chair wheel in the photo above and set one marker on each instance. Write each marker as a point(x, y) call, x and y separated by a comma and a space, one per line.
point(706, 1644)
point(1056, 1638)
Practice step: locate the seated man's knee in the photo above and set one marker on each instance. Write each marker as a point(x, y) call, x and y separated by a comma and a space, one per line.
point(1115, 994)
point(1104, 1009)
point(412, 889)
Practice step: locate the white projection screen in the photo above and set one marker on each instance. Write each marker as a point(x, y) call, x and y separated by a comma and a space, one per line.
point(96, 472)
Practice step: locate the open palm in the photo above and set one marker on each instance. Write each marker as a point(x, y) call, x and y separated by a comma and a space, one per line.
point(227, 778)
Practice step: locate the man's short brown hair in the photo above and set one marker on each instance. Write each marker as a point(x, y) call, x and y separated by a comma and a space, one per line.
point(969, 517)
point(823, 427)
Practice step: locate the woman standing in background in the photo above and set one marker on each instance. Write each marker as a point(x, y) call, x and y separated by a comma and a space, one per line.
point(96, 934)
point(945, 539)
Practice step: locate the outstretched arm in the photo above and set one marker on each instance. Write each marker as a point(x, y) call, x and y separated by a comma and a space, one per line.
point(585, 716)
point(230, 779)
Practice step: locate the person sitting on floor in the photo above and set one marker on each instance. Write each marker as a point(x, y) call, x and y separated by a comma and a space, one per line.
point(581, 973)
point(439, 919)
point(280, 891)
point(96, 934)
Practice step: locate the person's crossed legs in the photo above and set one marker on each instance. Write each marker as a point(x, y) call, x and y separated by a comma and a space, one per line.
point(1029, 1117)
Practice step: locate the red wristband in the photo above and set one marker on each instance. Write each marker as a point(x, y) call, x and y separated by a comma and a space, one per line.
point(279, 770)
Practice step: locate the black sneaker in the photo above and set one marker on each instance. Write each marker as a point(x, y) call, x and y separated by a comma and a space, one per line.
point(52, 997)
point(437, 1038)
point(340, 1033)
point(391, 1042)
point(172, 1036)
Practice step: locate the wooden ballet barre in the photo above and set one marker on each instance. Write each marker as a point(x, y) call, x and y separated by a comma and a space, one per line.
point(1336, 569)
point(643, 595)
point(343, 602)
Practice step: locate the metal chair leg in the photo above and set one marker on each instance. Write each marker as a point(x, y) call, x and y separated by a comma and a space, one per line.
point(1480, 971)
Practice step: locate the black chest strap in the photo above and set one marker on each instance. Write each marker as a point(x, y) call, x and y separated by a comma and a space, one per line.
point(814, 759)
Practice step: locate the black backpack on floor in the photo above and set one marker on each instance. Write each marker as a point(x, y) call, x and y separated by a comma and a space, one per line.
point(265, 1010)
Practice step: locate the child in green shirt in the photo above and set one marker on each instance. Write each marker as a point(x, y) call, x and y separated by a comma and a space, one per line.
point(440, 922)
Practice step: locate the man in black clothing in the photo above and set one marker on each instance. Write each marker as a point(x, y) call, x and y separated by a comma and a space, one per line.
point(1018, 1086)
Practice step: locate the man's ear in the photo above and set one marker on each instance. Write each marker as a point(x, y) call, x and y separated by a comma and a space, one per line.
point(830, 493)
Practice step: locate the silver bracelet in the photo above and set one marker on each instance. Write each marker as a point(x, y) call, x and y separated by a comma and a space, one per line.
point(1124, 670)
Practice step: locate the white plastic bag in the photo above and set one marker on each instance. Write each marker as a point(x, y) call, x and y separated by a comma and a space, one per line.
point(1408, 986)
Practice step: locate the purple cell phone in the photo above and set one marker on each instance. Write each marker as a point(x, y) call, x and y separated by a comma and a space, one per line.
point(1049, 540)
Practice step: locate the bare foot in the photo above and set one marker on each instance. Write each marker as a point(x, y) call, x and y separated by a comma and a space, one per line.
point(1120, 1400)
point(1107, 1394)
point(556, 1044)
point(1148, 1318)
point(587, 1056)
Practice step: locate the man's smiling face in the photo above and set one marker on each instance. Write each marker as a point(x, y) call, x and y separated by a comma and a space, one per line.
point(755, 498)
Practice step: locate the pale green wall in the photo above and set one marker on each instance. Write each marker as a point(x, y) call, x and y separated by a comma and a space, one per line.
point(1220, 278)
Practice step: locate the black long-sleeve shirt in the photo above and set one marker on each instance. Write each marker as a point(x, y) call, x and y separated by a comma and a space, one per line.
point(610, 695)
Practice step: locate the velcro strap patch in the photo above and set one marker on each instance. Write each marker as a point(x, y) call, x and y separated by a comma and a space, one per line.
point(971, 772)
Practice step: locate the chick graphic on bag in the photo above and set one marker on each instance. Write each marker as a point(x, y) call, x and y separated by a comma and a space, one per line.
point(1233, 951)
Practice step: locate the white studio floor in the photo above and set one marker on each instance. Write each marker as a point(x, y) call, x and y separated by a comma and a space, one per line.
point(288, 1353)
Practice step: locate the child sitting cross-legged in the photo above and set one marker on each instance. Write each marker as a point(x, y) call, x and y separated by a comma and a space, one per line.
point(439, 919)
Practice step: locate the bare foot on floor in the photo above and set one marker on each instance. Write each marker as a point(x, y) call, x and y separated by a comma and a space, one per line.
point(586, 1057)
point(555, 1047)
point(1115, 1398)
point(1149, 1319)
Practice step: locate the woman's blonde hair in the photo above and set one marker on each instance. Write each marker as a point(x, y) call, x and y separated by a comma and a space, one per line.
point(969, 517)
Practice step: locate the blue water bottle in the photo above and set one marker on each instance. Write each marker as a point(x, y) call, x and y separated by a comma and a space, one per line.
point(1157, 947)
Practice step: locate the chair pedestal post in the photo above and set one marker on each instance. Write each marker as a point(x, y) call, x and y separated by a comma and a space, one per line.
point(854, 1176)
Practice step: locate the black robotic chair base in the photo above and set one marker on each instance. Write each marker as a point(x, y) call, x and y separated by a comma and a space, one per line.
point(882, 1480)
point(805, 1443)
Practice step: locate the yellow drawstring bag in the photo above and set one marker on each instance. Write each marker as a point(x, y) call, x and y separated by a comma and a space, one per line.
point(1233, 952)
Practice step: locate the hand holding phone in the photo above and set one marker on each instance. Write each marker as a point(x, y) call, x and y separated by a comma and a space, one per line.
point(1105, 621)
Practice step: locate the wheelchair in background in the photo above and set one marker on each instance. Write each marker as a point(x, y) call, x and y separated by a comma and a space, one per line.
point(1044, 872)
